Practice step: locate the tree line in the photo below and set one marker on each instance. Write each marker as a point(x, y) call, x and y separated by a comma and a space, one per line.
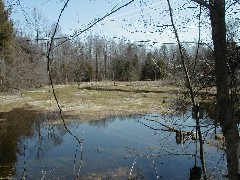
point(95, 58)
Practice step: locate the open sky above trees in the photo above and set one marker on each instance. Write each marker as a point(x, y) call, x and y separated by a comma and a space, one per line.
point(141, 20)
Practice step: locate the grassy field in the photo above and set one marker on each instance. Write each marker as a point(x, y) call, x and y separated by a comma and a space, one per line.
point(96, 100)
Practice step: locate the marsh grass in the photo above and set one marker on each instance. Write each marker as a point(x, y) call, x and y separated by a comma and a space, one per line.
point(96, 100)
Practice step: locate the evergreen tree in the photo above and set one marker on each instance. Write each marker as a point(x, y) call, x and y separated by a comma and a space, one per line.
point(152, 69)
point(6, 29)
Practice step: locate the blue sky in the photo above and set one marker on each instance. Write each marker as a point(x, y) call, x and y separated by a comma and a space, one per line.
point(142, 20)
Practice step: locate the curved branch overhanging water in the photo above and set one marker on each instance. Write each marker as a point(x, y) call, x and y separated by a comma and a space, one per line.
point(190, 87)
point(51, 47)
point(50, 73)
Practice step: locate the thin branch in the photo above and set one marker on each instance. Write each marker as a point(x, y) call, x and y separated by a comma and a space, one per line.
point(233, 4)
point(189, 85)
point(23, 11)
point(90, 25)
point(155, 169)
point(73, 36)
point(131, 171)
point(191, 91)
point(198, 43)
point(100, 19)
point(203, 3)
point(50, 74)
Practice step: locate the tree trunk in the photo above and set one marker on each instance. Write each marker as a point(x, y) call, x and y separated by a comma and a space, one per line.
point(96, 61)
point(105, 65)
point(228, 124)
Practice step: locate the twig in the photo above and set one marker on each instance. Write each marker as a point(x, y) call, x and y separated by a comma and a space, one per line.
point(74, 162)
point(190, 87)
point(155, 169)
point(50, 74)
point(198, 43)
point(81, 156)
point(90, 25)
point(131, 171)
point(233, 4)
point(203, 3)
point(45, 172)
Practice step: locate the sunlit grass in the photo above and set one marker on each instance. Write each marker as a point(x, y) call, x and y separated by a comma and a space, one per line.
point(100, 99)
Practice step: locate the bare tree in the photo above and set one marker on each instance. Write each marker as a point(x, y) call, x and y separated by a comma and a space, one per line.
point(217, 10)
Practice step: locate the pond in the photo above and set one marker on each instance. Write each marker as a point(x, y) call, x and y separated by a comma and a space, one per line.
point(36, 145)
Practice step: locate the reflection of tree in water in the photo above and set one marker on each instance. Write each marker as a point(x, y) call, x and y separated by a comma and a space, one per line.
point(15, 124)
point(183, 127)
point(105, 121)
point(21, 124)
point(48, 132)
point(209, 106)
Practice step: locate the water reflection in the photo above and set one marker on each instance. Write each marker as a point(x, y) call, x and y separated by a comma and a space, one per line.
point(104, 122)
point(35, 145)
point(14, 125)
point(17, 128)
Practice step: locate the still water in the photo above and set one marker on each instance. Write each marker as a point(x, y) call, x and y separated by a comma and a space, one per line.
point(35, 145)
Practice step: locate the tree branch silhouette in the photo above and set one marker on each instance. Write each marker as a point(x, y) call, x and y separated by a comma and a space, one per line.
point(49, 70)
point(51, 47)
point(203, 3)
point(90, 25)
point(190, 87)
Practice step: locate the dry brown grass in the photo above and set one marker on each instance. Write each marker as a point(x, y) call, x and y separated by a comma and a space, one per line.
point(96, 100)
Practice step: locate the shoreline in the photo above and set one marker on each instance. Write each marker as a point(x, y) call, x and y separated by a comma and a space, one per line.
point(97, 100)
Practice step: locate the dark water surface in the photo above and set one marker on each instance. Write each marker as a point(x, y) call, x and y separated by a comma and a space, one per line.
point(36, 145)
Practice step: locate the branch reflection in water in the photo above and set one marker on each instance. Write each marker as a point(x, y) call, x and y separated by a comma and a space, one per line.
point(35, 145)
